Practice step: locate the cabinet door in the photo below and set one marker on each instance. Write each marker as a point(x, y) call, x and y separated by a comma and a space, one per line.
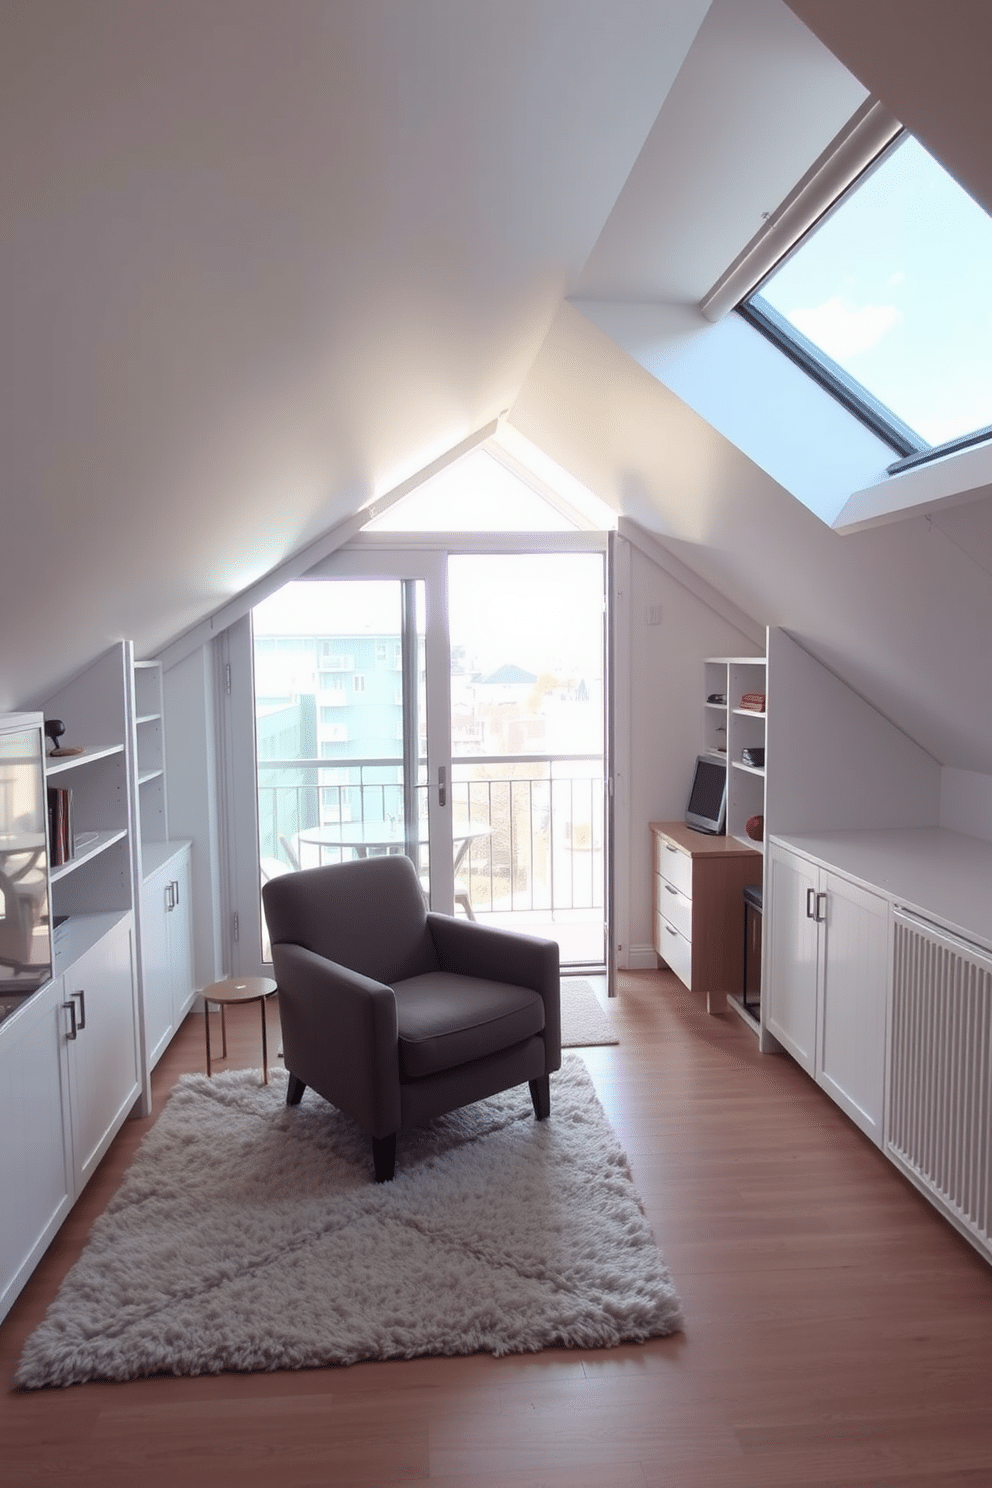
point(792, 947)
point(156, 972)
point(180, 928)
point(35, 1165)
point(103, 1057)
point(855, 962)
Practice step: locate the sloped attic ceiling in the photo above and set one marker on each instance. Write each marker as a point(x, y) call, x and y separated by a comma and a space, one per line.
point(903, 613)
point(262, 259)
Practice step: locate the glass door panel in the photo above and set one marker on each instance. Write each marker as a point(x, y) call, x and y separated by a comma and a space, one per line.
point(527, 735)
point(340, 723)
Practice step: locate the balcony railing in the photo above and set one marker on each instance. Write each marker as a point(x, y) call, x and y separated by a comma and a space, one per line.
point(529, 829)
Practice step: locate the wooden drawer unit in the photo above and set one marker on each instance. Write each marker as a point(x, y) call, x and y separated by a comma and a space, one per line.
point(673, 862)
point(674, 949)
point(698, 910)
point(674, 907)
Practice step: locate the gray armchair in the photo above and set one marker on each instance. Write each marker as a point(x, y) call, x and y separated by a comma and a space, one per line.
point(395, 1014)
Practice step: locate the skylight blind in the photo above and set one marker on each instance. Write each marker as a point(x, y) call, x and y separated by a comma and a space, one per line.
point(847, 156)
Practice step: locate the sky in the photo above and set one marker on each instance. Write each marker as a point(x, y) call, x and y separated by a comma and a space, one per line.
point(896, 286)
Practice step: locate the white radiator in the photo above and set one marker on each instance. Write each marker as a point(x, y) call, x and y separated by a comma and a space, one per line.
point(940, 1075)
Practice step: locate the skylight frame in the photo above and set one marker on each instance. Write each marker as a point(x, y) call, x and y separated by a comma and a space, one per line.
point(853, 395)
point(911, 447)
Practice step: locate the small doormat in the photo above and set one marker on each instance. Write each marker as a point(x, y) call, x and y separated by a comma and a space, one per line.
point(583, 1020)
point(248, 1235)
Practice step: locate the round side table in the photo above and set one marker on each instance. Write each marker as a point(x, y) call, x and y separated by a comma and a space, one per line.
point(238, 989)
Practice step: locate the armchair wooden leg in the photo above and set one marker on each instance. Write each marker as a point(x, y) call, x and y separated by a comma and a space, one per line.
point(540, 1094)
point(294, 1091)
point(384, 1157)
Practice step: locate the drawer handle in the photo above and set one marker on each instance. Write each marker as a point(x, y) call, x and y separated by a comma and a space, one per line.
point(670, 848)
point(670, 890)
point(670, 930)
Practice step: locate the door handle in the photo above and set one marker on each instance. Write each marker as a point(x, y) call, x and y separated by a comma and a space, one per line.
point(821, 905)
point(70, 1008)
point(811, 904)
point(442, 785)
point(82, 1009)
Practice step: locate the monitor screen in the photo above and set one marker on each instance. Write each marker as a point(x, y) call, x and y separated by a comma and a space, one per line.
point(707, 808)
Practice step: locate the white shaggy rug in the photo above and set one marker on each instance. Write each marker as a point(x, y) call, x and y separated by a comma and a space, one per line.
point(583, 1020)
point(247, 1235)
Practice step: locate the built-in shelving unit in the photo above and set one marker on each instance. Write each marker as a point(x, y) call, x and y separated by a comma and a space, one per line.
point(76, 1052)
point(150, 753)
point(729, 729)
point(94, 889)
point(163, 873)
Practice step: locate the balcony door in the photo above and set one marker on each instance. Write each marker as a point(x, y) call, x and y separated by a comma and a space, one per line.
point(445, 704)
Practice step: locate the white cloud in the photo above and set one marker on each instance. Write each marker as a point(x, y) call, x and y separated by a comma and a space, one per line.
point(844, 330)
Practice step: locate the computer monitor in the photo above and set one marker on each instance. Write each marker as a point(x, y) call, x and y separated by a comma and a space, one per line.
point(707, 808)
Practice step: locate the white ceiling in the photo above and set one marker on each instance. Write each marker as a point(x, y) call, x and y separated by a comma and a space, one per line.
point(256, 257)
point(259, 261)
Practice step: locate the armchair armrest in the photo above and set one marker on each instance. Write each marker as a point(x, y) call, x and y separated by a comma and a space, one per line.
point(470, 949)
point(339, 1034)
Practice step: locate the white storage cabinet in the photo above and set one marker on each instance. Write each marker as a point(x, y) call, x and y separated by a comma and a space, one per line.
point(101, 1036)
point(828, 977)
point(167, 950)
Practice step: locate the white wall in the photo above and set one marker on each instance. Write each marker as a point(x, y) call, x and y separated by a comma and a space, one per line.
point(665, 680)
point(834, 762)
point(966, 803)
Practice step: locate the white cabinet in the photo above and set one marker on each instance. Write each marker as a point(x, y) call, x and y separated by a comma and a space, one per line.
point(100, 1026)
point(854, 956)
point(791, 938)
point(828, 974)
point(167, 953)
point(163, 872)
point(36, 1182)
point(68, 1078)
point(698, 907)
point(72, 1060)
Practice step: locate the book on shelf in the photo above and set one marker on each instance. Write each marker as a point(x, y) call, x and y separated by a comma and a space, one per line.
point(61, 837)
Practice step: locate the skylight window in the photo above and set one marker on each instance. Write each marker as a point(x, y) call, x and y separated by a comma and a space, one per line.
point(888, 299)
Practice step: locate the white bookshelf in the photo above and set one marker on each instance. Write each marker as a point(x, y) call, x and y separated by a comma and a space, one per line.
point(729, 729)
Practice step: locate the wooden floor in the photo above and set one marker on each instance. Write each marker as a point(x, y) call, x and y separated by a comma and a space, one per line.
point(837, 1330)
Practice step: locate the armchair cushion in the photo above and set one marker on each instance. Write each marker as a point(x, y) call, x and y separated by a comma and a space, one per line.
point(446, 1020)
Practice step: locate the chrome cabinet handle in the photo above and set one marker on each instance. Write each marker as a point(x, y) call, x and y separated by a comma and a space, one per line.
point(442, 785)
point(70, 1008)
point(81, 1024)
point(175, 893)
point(670, 890)
point(821, 905)
point(811, 904)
